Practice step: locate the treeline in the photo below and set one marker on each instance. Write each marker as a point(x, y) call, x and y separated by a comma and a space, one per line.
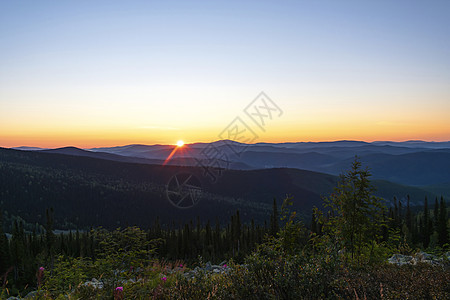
point(211, 242)
point(424, 229)
point(24, 252)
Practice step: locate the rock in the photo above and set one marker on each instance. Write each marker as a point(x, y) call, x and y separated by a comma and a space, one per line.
point(423, 256)
point(208, 266)
point(420, 257)
point(96, 284)
point(400, 259)
point(131, 280)
point(31, 295)
point(430, 258)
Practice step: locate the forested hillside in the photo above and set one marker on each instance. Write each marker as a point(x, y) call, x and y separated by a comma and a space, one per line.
point(86, 191)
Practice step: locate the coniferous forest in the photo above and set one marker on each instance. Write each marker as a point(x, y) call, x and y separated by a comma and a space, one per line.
point(341, 251)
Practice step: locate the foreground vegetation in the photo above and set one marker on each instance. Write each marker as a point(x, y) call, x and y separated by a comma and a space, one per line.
point(342, 255)
point(271, 272)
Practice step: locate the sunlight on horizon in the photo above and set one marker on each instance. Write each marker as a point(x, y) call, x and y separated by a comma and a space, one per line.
point(106, 75)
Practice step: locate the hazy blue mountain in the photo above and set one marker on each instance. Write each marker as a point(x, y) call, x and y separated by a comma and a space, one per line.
point(101, 155)
point(26, 148)
point(416, 144)
point(416, 163)
point(97, 191)
point(418, 168)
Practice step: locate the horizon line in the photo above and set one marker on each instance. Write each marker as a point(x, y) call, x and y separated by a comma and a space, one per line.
point(216, 141)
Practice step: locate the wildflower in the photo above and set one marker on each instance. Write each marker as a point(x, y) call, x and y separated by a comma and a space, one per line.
point(225, 265)
point(40, 276)
point(164, 278)
point(118, 293)
point(181, 265)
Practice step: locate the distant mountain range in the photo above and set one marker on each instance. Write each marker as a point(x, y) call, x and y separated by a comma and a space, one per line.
point(93, 187)
point(416, 163)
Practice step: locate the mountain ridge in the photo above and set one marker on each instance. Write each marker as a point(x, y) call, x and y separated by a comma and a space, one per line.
point(91, 191)
point(329, 157)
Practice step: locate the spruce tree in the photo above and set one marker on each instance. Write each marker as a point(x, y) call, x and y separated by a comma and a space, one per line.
point(236, 225)
point(49, 238)
point(356, 214)
point(408, 215)
point(252, 233)
point(4, 248)
point(426, 224)
point(384, 229)
point(443, 236)
point(313, 223)
point(396, 215)
point(274, 219)
point(217, 237)
point(18, 250)
point(436, 213)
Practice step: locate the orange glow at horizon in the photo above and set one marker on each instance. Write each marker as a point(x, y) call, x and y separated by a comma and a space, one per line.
point(276, 134)
point(179, 146)
point(296, 127)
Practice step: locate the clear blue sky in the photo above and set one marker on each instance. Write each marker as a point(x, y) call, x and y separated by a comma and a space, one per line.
point(113, 72)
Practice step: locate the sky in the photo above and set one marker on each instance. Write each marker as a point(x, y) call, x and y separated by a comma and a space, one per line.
point(106, 73)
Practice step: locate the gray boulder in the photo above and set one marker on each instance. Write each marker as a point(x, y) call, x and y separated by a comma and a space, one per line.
point(420, 257)
point(208, 266)
point(96, 284)
point(32, 295)
point(400, 259)
point(423, 256)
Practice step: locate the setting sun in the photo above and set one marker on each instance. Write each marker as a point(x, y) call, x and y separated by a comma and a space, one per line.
point(180, 143)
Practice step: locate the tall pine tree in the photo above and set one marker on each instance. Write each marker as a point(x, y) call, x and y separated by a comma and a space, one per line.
point(4, 248)
point(274, 219)
point(443, 237)
point(408, 218)
point(357, 215)
point(49, 238)
point(436, 214)
point(426, 224)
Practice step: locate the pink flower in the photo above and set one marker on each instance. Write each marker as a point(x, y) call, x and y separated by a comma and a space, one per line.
point(164, 278)
point(119, 288)
point(40, 275)
point(225, 265)
point(181, 265)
